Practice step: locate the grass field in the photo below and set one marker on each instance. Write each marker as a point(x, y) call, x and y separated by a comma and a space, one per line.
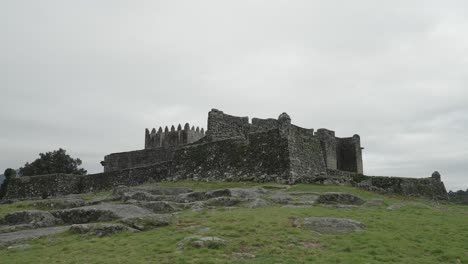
point(421, 232)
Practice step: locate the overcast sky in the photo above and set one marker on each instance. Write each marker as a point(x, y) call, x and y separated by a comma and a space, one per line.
point(90, 75)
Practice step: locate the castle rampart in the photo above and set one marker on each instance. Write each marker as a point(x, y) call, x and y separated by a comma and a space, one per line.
point(173, 137)
point(232, 149)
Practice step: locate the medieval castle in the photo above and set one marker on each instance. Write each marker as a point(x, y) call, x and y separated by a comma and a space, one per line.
point(233, 149)
point(269, 148)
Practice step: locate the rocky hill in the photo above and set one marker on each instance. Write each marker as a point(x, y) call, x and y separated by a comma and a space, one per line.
point(219, 222)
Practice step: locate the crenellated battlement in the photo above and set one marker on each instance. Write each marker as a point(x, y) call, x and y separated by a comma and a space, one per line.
point(172, 137)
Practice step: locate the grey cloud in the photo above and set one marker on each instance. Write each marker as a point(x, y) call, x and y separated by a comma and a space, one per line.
point(89, 76)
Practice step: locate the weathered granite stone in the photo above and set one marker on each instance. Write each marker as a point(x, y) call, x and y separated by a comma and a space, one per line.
point(19, 247)
point(24, 235)
point(257, 203)
point(280, 198)
point(191, 197)
point(242, 256)
point(159, 206)
point(100, 229)
point(339, 198)
point(297, 206)
point(31, 217)
point(161, 190)
point(143, 196)
point(255, 192)
point(59, 203)
point(148, 221)
point(202, 242)
point(120, 190)
point(217, 193)
point(224, 201)
point(100, 213)
point(328, 225)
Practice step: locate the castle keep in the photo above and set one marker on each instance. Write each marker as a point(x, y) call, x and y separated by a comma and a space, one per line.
point(233, 148)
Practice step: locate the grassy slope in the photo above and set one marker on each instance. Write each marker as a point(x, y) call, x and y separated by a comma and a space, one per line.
point(413, 234)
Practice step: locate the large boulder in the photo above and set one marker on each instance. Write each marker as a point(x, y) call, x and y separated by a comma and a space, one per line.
point(251, 193)
point(100, 229)
point(224, 201)
point(144, 196)
point(202, 242)
point(148, 221)
point(24, 235)
point(328, 225)
point(281, 197)
point(161, 190)
point(100, 213)
point(257, 203)
point(159, 206)
point(59, 203)
point(33, 218)
point(192, 197)
point(339, 198)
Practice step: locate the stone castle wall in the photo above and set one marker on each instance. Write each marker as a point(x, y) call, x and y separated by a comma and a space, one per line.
point(65, 184)
point(305, 154)
point(262, 156)
point(223, 126)
point(328, 146)
point(232, 149)
point(431, 188)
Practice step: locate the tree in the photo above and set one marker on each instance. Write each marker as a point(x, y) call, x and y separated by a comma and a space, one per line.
point(57, 161)
point(9, 173)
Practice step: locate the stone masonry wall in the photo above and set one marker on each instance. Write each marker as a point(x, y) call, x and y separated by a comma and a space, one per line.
point(223, 126)
point(263, 157)
point(431, 188)
point(260, 125)
point(137, 158)
point(328, 146)
point(173, 137)
point(305, 155)
point(65, 184)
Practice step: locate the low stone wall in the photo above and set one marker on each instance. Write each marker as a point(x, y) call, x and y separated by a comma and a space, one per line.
point(432, 187)
point(65, 184)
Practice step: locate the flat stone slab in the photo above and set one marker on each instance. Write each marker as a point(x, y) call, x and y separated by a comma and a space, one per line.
point(281, 197)
point(255, 192)
point(100, 213)
point(59, 203)
point(339, 198)
point(100, 229)
point(202, 242)
point(148, 222)
point(34, 218)
point(161, 190)
point(159, 206)
point(257, 203)
point(24, 235)
point(328, 225)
